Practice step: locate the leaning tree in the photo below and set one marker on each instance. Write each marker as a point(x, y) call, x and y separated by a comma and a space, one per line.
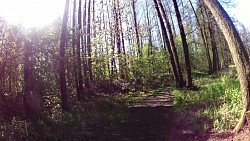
point(238, 51)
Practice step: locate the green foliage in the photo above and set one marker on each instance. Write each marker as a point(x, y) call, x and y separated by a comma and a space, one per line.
point(218, 99)
point(151, 70)
point(178, 100)
point(79, 124)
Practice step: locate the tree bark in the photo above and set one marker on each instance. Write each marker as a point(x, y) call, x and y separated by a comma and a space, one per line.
point(203, 40)
point(136, 30)
point(149, 30)
point(238, 51)
point(63, 87)
point(167, 43)
point(74, 49)
point(117, 35)
point(171, 36)
point(84, 45)
point(89, 62)
point(79, 63)
point(212, 43)
point(171, 19)
point(185, 46)
point(27, 78)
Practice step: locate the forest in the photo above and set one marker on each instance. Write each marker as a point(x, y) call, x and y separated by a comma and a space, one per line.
point(132, 70)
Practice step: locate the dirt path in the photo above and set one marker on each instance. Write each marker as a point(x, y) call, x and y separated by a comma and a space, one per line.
point(148, 120)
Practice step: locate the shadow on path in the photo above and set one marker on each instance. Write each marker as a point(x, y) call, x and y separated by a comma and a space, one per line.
point(149, 120)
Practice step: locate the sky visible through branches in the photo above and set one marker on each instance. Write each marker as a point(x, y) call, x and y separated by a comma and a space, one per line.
point(37, 13)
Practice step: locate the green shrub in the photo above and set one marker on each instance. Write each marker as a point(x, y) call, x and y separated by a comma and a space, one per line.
point(219, 99)
point(178, 100)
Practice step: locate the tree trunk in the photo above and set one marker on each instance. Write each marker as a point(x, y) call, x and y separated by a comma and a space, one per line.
point(136, 30)
point(212, 43)
point(27, 77)
point(74, 49)
point(64, 97)
point(238, 51)
point(79, 63)
point(171, 19)
point(185, 46)
point(167, 43)
point(117, 35)
point(171, 36)
point(203, 40)
point(84, 45)
point(149, 30)
point(124, 73)
point(89, 62)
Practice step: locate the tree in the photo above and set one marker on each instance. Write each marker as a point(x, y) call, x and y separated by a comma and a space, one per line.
point(212, 40)
point(184, 45)
point(238, 51)
point(84, 45)
point(89, 49)
point(63, 87)
point(203, 36)
point(171, 36)
point(74, 42)
point(167, 44)
point(27, 78)
point(78, 50)
point(136, 29)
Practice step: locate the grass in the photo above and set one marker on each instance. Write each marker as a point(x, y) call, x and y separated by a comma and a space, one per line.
point(218, 101)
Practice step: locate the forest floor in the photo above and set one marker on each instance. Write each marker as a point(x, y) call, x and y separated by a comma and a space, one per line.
point(148, 120)
point(154, 119)
point(186, 127)
point(132, 116)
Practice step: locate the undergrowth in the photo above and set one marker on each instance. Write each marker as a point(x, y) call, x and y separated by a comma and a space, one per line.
point(79, 124)
point(95, 119)
point(218, 100)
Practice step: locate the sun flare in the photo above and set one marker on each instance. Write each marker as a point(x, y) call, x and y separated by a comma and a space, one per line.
point(31, 13)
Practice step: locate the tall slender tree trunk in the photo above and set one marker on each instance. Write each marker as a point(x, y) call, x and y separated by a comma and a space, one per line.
point(89, 50)
point(214, 49)
point(74, 41)
point(113, 70)
point(185, 46)
point(63, 87)
point(123, 62)
point(117, 34)
point(167, 43)
point(105, 26)
point(212, 42)
point(79, 63)
point(203, 40)
point(171, 36)
point(94, 43)
point(136, 30)
point(149, 30)
point(238, 51)
point(171, 19)
point(84, 45)
point(27, 77)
